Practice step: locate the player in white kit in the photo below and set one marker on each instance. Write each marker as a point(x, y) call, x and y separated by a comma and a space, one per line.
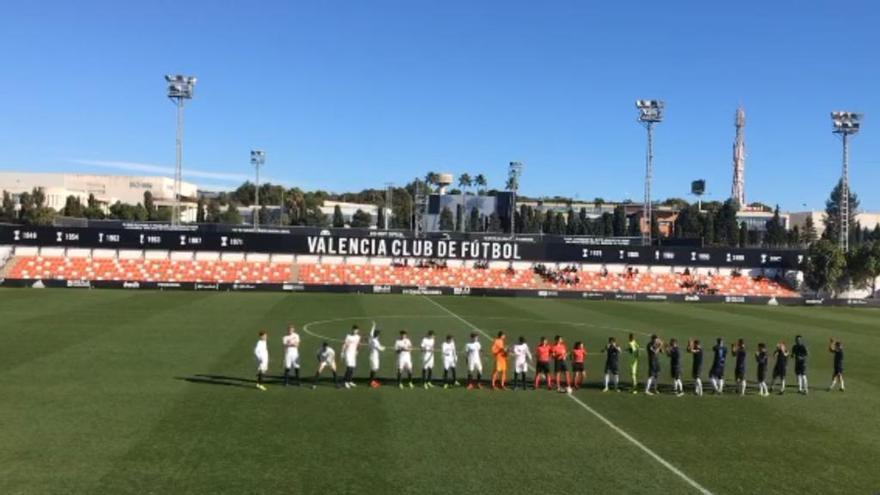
point(349, 353)
point(403, 348)
point(261, 354)
point(475, 364)
point(450, 360)
point(326, 359)
point(522, 356)
point(375, 348)
point(427, 347)
point(291, 355)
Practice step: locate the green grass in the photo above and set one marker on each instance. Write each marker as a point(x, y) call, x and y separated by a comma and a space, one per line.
point(95, 398)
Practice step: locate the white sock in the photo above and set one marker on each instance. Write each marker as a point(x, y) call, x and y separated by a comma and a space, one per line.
point(648, 385)
point(606, 380)
point(806, 385)
point(833, 382)
point(698, 386)
point(782, 385)
point(742, 387)
point(616, 380)
point(841, 384)
point(721, 385)
point(714, 383)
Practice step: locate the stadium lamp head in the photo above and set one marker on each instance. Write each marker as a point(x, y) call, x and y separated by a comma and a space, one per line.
point(650, 111)
point(846, 122)
point(258, 157)
point(180, 86)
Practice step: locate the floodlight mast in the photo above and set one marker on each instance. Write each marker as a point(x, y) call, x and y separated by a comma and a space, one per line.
point(180, 88)
point(650, 113)
point(514, 172)
point(845, 124)
point(258, 159)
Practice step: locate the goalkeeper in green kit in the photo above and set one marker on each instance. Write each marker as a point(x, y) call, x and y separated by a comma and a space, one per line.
point(634, 351)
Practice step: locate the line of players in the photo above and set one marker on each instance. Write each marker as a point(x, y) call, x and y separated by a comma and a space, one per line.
point(556, 353)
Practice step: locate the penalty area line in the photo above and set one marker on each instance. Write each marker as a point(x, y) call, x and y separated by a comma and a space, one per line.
point(663, 462)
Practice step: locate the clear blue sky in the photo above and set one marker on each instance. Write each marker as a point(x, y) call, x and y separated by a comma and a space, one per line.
point(345, 95)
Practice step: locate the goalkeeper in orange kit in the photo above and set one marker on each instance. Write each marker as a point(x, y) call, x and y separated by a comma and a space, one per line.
point(499, 350)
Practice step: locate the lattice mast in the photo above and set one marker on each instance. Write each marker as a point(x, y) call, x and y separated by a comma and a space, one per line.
point(738, 187)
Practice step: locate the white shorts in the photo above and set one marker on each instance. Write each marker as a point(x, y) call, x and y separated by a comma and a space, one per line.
point(448, 362)
point(428, 361)
point(475, 366)
point(374, 362)
point(262, 366)
point(291, 359)
point(324, 365)
point(351, 360)
point(521, 367)
point(404, 363)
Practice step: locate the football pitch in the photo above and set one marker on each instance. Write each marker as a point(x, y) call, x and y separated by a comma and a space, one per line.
point(153, 392)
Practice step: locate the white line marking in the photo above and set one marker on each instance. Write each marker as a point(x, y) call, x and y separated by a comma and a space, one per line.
point(601, 418)
point(642, 446)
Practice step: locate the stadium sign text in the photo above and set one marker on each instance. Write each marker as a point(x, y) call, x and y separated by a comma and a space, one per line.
point(419, 248)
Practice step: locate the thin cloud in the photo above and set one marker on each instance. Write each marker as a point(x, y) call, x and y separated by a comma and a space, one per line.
point(162, 169)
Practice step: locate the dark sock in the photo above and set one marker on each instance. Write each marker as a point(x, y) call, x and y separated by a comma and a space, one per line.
point(430, 374)
point(296, 375)
point(317, 377)
point(335, 381)
point(286, 375)
point(398, 377)
point(259, 378)
point(424, 374)
point(453, 375)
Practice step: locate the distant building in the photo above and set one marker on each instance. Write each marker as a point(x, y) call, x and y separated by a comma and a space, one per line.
point(756, 219)
point(107, 189)
point(865, 219)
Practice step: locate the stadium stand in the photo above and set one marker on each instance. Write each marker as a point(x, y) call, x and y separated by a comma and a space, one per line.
point(210, 267)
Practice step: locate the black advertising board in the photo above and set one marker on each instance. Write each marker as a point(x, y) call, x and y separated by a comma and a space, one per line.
point(393, 244)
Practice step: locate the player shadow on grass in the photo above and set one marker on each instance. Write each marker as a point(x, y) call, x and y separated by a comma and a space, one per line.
point(229, 381)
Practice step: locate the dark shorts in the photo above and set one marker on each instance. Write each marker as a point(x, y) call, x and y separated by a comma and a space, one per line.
point(838, 370)
point(800, 368)
point(542, 367)
point(654, 371)
point(612, 369)
point(762, 374)
point(779, 372)
point(717, 372)
point(740, 373)
point(696, 372)
point(676, 373)
point(559, 365)
point(577, 366)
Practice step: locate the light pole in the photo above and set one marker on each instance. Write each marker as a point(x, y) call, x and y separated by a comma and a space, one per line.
point(514, 171)
point(180, 88)
point(650, 113)
point(845, 124)
point(258, 159)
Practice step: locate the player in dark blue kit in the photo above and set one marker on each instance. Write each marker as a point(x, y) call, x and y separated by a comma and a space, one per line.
point(697, 369)
point(655, 347)
point(781, 366)
point(762, 358)
point(674, 354)
point(800, 353)
point(739, 370)
point(612, 364)
point(719, 359)
point(836, 348)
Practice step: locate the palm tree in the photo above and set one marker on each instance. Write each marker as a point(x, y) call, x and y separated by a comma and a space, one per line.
point(480, 181)
point(464, 182)
point(431, 179)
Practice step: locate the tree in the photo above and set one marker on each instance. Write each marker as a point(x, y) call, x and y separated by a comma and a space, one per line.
point(547, 226)
point(200, 210)
point(231, 216)
point(571, 224)
point(361, 219)
point(93, 209)
point(689, 222)
point(619, 221)
point(33, 208)
point(495, 223)
point(7, 213)
point(213, 213)
point(808, 236)
point(863, 266)
point(150, 205)
point(380, 217)
point(481, 183)
point(474, 221)
point(743, 234)
point(72, 207)
point(832, 212)
point(823, 266)
point(676, 203)
point(776, 235)
point(559, 223)
point(338, 219)
point(727, 225)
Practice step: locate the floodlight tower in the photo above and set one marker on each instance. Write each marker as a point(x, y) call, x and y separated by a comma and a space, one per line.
point(514, 171)
point(650, 113)
point(389, 191)
point(258, 159)
point(845, 124)
point(180, 88)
